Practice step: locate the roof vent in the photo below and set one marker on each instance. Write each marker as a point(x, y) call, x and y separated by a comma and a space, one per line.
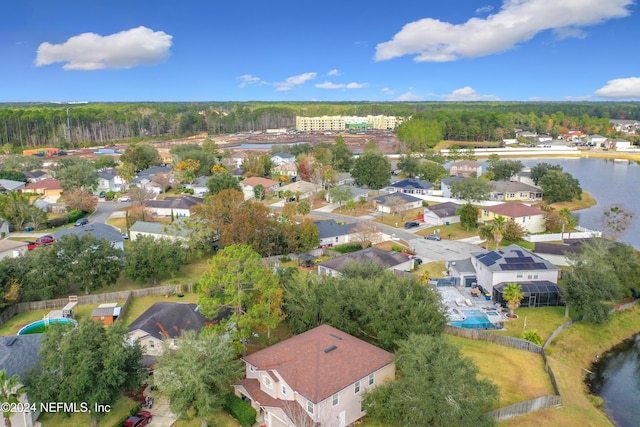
point(330, 349)
point(11, 341)
point(336, 337)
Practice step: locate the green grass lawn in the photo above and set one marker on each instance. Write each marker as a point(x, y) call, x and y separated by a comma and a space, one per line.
point(453, 231)
point(119, 411)
point(545, 320)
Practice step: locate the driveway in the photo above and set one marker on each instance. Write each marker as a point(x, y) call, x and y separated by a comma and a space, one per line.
point(105, 209)
point(162, 415)
point(444, 250)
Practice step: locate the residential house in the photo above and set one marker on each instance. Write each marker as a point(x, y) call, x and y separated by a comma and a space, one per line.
point(281, 158)
point(463, 272)
point(176, 206)
point(199, 186)
point(98, 230)
point(303, 189)
point(11, 185)
point(465, 168)
point(47, 187)
point(38, 175)
point(236, 160)
point(12, 249)
point(52, 207)
point(109, 180)
point(332, 233)
point(544, 139)
point(390, 260)
point(514, 264)
point(288, 170)
point(342, 178)
point(18, 355)
point(166, 320)
point(524, 176)
point(157, 230)
point(529, 218)
point(248, 186)
point(413, 186)
point(106, 313)
point(629, 127)
point(315, 378)
point(514, 191)
point(596, 140)
point(396, 202)
point(145, 178)
point(445, 185)
point(620, 144)
point(442, 214)
point(525, 134)
point(357, 193)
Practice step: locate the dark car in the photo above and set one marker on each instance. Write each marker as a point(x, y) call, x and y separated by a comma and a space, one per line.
point(142, 418)
point(81, 221)
point(411, 224)
point(102, 195)
point(417, 260)
point(47, 239)
point(433, 237)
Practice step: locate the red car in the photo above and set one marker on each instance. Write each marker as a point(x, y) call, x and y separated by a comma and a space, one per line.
point(47, 239)
point(30, 245)
point(142, 418)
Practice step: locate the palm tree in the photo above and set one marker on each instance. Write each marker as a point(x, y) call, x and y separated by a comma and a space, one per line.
point(486, 232)
point(569, 221)
point(513, 295)
point(10, 391)
point(499, 224)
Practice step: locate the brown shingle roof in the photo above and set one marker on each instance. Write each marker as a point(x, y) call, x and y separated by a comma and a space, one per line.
point(321, 362)
point(386, 259)
point(257, 180)
point(47, 184)
point(515, 210)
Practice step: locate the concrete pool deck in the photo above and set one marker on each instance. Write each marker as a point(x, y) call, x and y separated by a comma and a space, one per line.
point(458, 299)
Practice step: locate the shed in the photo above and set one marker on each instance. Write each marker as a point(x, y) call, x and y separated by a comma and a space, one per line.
point(106, 313)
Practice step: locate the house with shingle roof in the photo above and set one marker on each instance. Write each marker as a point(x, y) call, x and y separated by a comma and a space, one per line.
point(465, 168)
point(100, 231)
point(445, 185)
point(157, 230)
point(396, 202)
point(304, 188)
point(248, 186)
point(37, 175)
point(167, 320)
point(282, 158)
point(514, 191)
point(11, 185)
point(389, 260)
point(411, 186)
point(529, 218)
point(178, 206)
point(315, 378)
point(47, 187)
point(442, 214)
point(332, 233)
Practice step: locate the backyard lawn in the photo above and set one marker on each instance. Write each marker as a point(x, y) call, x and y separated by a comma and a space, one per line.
point(119, 411)
point(545, 320)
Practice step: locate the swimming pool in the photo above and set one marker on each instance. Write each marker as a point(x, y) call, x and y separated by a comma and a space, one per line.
point(40, 327)
point(474, 319)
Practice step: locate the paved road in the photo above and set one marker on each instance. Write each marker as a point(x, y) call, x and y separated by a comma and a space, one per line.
point(105, 209)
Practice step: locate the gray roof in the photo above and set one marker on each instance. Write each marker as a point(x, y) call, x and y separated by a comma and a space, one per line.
point(35, 174)
point(413, 183)
point(154, 170)
point(330, 228)
point(106, 175)
point(183, 202)
point(159, 228)
point(11, 185)
point(448, 181)
point(513, 258)
point(168, 319)
point(99, 230)
point(532, 287)
point(407, 198)
point(462, 266)
point(513, 187)
point(444, 210)
point(386, 259)
point(19, 353)
point(284, 155)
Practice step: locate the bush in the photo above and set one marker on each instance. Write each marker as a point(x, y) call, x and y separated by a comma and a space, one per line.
point(285, 259)
point(75, 215)
point(57, 221)
point(425, 204)
point(110, 195)
point(347, 248)
point(396, 248)
point(179, 189)
point(533, 336)
point(240, 410)
point(188, 191)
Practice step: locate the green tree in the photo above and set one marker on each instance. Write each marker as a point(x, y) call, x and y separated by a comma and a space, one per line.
point(341, 194)
point(150, 258)
point(468, 216)
point(485, 232)
point(10, 391)
point(505, 169)
point(560, 187)
point(540, 170)
point(12, 175)
point(513, 294)
point(470, 190)
point(432, 171)
point(409, 165)
point(20, 163)
point(141, 156)
point(499, 224)
point(237, 280)
point(303, 208)
point(223, 181)
point(615, 220)
point(82, 175)
point(513, 232)
point(342, 158)
point(17, 209)
point(454, 396)
point(91, 364)
point(104, 161)
point(372, 169)
point(197, 375)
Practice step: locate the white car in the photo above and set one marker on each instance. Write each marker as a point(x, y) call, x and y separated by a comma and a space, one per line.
point(124, 199)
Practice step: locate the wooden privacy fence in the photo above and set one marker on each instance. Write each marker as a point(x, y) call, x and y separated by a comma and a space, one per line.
point(482, 335)
point(522, 408)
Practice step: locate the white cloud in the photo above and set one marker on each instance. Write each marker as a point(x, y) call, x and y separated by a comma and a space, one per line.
point(333, 72)
point(249, 80)
point(90, 51)
point(409, 97)
point(484, 9)
point(516, 22)
point(294, 81)
point(388, 91)
point(467, 93)
point(352, 85)
point(621, 88)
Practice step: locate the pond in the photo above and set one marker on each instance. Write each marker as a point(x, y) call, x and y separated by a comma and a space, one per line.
point(616, 379)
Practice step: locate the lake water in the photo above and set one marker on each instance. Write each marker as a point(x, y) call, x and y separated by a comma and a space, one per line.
point(608, 182)
point(616, 378)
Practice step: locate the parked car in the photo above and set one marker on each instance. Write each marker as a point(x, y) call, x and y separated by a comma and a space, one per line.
point(417, 260)
point(47, 239)
point(102, 195)
point(411, 224)
point(433, 237)
point(81, 221)
point(125, 236)
point(142, 418)
point(30, 245)
point(124, 199)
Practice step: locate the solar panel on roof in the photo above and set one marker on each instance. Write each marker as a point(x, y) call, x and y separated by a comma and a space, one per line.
point(519, 253)
point(521, 259)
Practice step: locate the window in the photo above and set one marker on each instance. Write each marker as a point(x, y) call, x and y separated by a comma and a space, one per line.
point(335, 400)
point(519, 275)
point(251, 368)
point(284, 390)
point(356, 387)
point(151, 344)
point(485, 213)
point(267, 381)
point(372, 379)
point(309, 406)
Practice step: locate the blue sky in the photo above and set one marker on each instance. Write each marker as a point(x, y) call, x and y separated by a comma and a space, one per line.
point(279, 50)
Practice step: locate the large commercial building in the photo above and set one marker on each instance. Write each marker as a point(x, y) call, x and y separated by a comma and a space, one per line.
point(339, 123)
